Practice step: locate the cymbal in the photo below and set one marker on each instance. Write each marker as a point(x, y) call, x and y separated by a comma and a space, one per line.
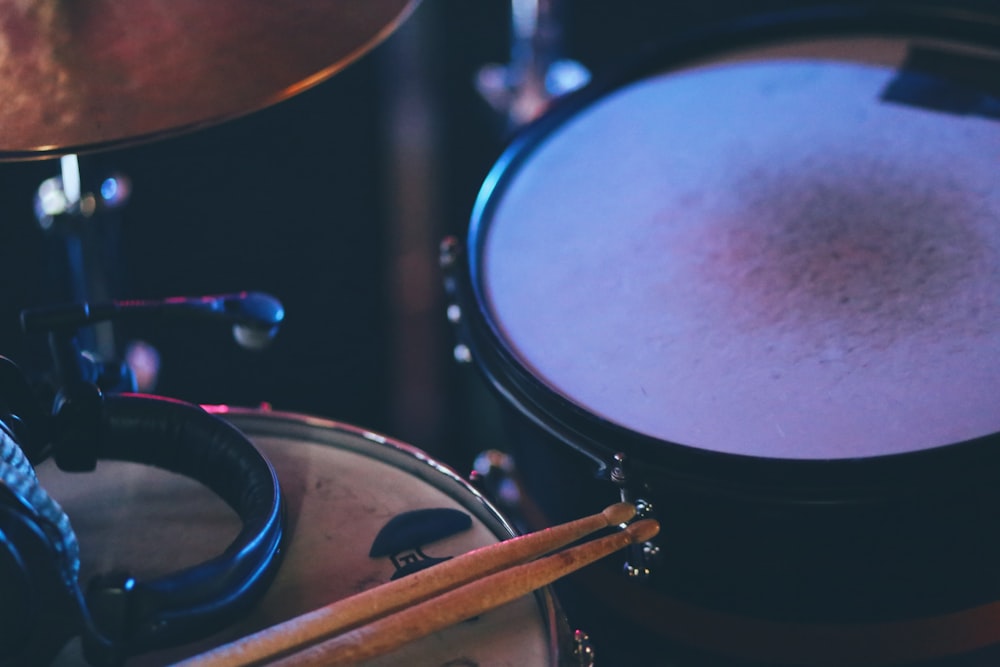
point(83, 75)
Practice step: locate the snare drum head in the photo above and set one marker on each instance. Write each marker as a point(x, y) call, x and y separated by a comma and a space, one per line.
point(786, 250)
point(342, 487)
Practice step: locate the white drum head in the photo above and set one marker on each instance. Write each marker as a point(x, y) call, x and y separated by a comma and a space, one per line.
point(759, 255)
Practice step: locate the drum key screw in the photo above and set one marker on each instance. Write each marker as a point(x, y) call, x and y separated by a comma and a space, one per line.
point(462, 354)
point(643, 509)
point(640, 555)
point(583, 650)
point(618, 472)
point(638, 572)
point(448, 252)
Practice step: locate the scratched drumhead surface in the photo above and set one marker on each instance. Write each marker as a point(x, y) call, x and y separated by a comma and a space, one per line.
point(341, 490)
point(790, 252)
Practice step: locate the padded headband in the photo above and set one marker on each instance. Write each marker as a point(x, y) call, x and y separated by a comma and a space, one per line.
point(18, 475)
point(138, 616)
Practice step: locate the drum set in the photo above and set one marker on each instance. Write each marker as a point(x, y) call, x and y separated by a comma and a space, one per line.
point(747, 285)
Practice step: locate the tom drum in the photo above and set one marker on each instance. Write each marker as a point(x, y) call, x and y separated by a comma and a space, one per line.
point(764, 267)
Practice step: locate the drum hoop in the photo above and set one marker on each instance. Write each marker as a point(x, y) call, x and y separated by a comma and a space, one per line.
point(809, 480)
point(284, 424)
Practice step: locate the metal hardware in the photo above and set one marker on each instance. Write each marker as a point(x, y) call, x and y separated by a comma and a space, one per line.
point(583, 650)
point(641, 557)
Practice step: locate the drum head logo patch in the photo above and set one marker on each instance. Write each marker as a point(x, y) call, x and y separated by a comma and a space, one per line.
point(402, 538)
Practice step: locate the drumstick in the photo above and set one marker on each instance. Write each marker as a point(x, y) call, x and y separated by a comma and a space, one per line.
point(460, 604)
point(358, 609)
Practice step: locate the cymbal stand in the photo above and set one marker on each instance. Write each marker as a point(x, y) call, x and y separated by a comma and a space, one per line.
point(88, 236)
point(537, 73)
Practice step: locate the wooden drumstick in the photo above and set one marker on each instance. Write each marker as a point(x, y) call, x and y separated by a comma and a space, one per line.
point(358, 609)
point(460, 604)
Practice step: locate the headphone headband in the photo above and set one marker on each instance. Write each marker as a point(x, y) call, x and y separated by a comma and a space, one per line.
point(123, 616)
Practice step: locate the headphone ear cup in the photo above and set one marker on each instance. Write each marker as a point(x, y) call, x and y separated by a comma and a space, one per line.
point(17, 473)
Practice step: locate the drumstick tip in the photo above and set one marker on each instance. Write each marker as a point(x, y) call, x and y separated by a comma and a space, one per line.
point(618, 513)
point(642, 530)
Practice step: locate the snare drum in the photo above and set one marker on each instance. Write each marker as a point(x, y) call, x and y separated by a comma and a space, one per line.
point(343, 486)
point(765, 268)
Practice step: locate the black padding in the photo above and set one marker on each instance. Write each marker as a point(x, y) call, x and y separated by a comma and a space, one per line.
point(196, 601)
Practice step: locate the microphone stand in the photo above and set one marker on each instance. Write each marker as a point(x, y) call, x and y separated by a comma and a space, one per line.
point(80, 380)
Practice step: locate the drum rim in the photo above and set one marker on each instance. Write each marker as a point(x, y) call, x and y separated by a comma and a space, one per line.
point(450, 483)
point(453, 483)
point(588, 433)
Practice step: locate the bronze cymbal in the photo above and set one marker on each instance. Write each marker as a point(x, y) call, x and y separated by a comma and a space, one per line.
point(83, 75)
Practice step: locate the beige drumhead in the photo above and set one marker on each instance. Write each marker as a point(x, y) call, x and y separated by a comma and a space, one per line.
point(341, 485)
point(761, 255)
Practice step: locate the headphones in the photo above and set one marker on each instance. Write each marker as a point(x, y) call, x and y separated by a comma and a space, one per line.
point(43, 603)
